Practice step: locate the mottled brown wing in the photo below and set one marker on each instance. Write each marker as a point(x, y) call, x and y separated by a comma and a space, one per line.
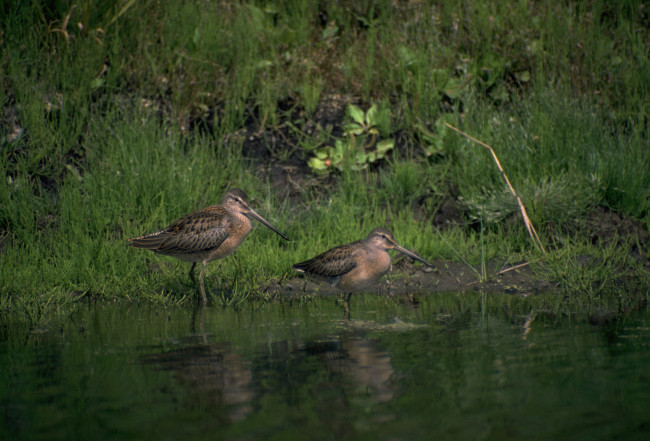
point(199, 231)
point(332, 263)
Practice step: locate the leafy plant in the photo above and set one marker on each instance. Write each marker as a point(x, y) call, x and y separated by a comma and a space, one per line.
point(433, 141)
point(359, 147)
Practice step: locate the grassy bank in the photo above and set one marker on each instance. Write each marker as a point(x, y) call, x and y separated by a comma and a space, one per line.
point(119, 117)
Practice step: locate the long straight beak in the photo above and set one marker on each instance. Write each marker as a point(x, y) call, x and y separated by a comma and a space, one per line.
point(412, 255)
point(267, 223)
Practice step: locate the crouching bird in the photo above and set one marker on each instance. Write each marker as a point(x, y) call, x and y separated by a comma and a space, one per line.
point(358, 265)
point(205, 235)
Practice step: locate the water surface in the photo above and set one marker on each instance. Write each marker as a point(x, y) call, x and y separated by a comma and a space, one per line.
point(451, 367)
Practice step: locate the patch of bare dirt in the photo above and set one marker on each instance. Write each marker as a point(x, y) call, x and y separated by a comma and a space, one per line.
point(607, 227)
point(406, 279)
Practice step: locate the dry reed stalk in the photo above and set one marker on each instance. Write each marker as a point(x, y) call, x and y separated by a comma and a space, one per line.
point(529, 226)
point(514, 267)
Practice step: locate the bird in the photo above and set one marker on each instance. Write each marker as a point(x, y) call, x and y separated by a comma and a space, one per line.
point(205, 235)
point(358, 265)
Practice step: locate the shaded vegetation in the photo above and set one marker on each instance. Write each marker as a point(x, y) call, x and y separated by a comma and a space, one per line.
point(118, 117)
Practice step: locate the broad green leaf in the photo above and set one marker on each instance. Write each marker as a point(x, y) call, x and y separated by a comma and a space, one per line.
point(339, 147)
point(407, 57)
point(382, 121)
point(385, 145)
point(371, 114)
point(356, 113)
point(316, 164)
point(322, 153)
point(453, 88)
point(355, 128)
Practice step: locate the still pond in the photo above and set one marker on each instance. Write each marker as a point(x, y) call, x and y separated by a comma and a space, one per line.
point(451, 367)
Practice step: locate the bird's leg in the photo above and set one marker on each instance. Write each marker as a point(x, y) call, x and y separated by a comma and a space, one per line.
point(238, 272)
point(198, 318)
point(200, 286)
point(346, 307)
point(192, 273)
point(198, 321)
point(218, 269)
point(204, 298)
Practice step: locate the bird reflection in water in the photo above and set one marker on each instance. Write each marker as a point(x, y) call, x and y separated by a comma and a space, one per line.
point(214, 375)
point(363, 362)
point(217, 376)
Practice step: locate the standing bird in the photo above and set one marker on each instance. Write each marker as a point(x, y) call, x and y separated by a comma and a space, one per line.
point(357, 265)
point(206, 235)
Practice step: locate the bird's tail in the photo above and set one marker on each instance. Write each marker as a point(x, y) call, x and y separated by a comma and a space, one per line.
point(149, 241)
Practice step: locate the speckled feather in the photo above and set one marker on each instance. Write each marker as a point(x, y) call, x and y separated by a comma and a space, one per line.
point(198, 232)
point(332, 263)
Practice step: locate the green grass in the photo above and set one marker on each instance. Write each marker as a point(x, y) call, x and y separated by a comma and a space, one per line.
point(560, 154)
point(105, 105)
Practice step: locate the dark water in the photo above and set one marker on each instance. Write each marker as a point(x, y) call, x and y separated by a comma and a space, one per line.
point(452, 368)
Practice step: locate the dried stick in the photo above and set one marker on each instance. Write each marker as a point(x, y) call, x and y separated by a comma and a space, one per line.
point(529, 226)
point(513, 268)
